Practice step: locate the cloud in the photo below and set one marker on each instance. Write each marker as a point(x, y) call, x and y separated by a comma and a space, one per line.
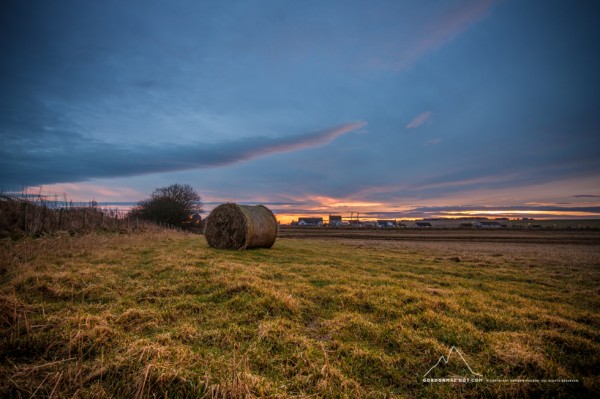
point(71, 157)
point(437, 31)
point(586, 196)
point(87, 191)
point(419, 120)
point(307, 140)
point(454, 21)
point(433, 141)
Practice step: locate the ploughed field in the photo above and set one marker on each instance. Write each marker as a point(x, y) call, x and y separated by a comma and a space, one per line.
point(352, 314)
point(563, 236)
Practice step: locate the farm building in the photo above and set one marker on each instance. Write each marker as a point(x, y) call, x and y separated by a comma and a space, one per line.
point(386, 223)
point(422, 224)
point(310, 221)
point(335, 220)
point(196, 218)
point(488, 224)
point(448, 223)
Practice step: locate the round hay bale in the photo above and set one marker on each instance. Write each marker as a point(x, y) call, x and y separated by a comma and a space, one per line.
point(232, 226)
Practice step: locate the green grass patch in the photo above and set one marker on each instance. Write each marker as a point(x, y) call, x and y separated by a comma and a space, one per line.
point(163, 315)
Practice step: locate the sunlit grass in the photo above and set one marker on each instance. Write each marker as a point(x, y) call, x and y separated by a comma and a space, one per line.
point(162, 314)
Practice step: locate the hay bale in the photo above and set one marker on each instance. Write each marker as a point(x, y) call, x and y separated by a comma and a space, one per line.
point(232, 226)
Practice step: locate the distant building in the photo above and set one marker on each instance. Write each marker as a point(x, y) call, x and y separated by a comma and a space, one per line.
point(386, 223)
point(356, 223)
point(310, 221)
point(335, 220)
point(422, 224)
point(484, 224)
point(196, 218)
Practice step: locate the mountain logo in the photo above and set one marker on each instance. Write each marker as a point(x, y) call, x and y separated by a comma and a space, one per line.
point(461, 363)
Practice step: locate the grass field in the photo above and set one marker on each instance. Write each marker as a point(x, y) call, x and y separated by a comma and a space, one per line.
point(162, 315)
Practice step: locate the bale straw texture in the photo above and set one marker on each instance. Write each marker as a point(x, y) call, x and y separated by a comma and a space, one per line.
point(232, 226)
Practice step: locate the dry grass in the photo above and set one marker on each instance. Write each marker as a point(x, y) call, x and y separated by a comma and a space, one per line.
point(36, 216)
point(162, 315)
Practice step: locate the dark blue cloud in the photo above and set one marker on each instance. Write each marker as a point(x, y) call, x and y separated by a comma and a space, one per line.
point(69, 157)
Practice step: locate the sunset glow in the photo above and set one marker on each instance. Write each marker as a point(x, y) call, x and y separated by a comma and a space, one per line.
point(504, 213)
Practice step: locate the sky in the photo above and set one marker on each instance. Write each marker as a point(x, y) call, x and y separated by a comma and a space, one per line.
point(394, 109)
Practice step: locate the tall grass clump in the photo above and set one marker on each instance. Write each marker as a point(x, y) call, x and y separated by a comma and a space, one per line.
point(36, 216)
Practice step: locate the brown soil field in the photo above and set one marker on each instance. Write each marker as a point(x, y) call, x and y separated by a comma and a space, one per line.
point(580, 237)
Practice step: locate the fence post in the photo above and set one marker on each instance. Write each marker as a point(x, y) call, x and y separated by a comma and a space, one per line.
point(60, 218)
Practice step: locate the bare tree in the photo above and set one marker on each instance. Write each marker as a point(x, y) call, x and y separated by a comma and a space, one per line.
point(173, 204)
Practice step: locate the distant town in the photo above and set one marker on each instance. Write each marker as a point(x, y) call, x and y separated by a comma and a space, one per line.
point(432, 223)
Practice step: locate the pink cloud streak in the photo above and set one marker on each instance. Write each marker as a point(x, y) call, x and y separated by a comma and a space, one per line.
point(419, 120)
point(437, 31)
point(308, 140)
